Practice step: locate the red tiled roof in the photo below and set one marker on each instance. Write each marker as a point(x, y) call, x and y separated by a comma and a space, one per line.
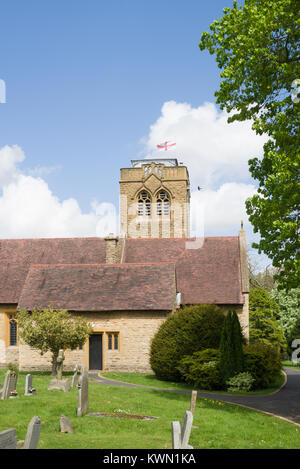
point(208, 274)
point(108, 287)
point(16, 255)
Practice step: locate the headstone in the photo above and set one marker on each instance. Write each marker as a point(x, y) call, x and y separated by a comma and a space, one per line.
point(60, 385)
point(33, 433)
point(60, 364)
point(10, 384)
point(181, 435)
point(75, 376)
point(8, 439)
point(29, 390)
point(65, 425)
point(193, 401)
point(83, 391)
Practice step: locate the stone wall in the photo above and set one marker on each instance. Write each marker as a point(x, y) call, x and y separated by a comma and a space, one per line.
point(135, 329)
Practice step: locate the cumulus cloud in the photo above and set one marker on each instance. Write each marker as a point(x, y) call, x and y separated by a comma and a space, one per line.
point(216, 154)
point(214, 150)
point(28, 208)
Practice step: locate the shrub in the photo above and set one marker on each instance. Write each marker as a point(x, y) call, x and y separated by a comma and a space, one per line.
point(231, 347)
point(242, 382)
point(202, 369)
point(263, 363)
point(186, 331)
point(264, 321)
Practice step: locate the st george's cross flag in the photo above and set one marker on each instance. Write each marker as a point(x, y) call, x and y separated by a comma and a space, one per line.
point(164, 146)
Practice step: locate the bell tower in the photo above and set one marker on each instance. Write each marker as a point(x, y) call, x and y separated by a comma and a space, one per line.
point(155, 199)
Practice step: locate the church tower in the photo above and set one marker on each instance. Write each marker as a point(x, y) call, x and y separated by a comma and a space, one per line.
point(155, 199)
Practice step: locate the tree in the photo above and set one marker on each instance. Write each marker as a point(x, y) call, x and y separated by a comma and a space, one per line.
point(289, 308)
point(231, 347)
point(257, 49)
point(50, 330)
point(264, 322)
point(188, 330)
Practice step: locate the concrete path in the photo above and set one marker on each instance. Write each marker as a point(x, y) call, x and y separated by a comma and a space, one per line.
point(284, 403)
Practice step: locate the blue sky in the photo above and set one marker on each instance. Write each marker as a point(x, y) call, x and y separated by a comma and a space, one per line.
point(85, 79)
point(91, 85)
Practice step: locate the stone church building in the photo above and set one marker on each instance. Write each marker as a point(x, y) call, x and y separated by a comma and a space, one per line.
point(124, 286)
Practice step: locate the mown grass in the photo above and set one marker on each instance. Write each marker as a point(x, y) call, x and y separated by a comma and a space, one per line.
point(290, 364)
point(220, 425)
point(145, 379)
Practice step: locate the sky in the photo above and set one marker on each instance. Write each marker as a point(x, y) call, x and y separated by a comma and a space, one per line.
point(91, 85)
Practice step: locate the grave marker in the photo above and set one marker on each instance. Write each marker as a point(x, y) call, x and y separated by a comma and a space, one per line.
point(181, 434)
point(33, 433)
point(83, 391)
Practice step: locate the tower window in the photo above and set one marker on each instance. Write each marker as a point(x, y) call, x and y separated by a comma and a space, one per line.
point(162, 204)
point(144, 204)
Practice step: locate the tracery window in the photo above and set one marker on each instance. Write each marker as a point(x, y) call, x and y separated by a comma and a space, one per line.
point(162, 203)
point(13, 330)
point(144, 204)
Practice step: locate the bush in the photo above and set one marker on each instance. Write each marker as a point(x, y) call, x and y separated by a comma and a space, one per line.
point(241, 382)
point(263, 363)
point(202, 369)
point(189, 330)
point(231, 347)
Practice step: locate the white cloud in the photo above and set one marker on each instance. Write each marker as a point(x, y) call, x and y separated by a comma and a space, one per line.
point(220, 212)
point(213, 150)
point(28, 208)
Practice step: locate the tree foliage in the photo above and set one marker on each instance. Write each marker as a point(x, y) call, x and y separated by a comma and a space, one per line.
point(257, 48)
point(231, 347)
point(289, 308)
point(264, 320)
point(50, 330)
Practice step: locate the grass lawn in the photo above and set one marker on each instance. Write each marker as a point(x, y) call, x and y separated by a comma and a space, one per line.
point(220, 425)
point(289, 364)
point(145, 379)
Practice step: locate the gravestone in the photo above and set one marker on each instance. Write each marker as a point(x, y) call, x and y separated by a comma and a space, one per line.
point(33, 433)
point(193, 401)
point(181, 434)
point(59, 384)
point(29, 390)
point(75, 376)
point(8, 439)
point(10, 384)
point(83, 392)
point(65, 425)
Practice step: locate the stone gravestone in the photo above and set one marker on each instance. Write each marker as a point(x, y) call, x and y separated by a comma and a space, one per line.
point(28, 386)
point(65, 425)
point(75, 376)
point(8, 439)
point(10, 384)
point(193, 401)
point(33, 433)
point(59, 384)
point(181, 434)
point(83, 391)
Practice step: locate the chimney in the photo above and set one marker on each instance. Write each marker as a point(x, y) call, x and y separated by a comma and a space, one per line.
point(244, 260)
point(111, 249)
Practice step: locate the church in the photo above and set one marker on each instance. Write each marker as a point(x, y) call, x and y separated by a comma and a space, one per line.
point(125, 286)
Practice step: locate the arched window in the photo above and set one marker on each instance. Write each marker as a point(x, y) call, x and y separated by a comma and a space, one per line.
point(162, 203)
point(13, 331)
point(144, 204)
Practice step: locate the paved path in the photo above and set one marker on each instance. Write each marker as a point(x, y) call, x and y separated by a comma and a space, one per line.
point(284, 403)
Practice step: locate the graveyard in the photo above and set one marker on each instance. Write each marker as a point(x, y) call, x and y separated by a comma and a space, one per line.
point(215, 424)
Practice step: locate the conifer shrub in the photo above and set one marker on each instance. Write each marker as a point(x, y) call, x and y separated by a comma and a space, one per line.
point(189, 330)
point(231, 348)
point(263, 363)
point(202, 369)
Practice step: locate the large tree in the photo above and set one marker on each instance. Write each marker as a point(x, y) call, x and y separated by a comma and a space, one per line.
point(257, 48)
point(50, 330)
